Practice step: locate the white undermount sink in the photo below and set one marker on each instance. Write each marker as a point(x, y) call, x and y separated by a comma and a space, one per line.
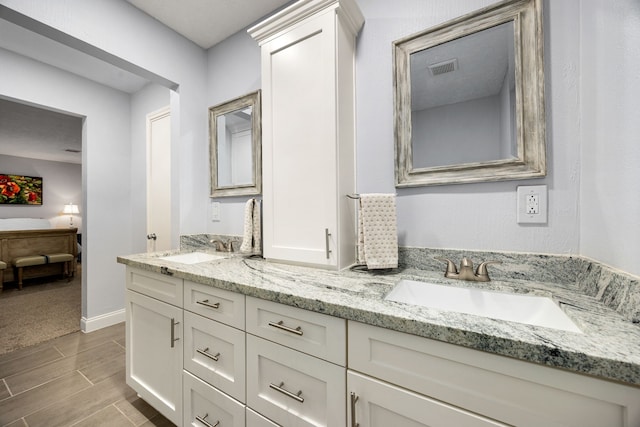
point(192, 257)
point(529, 309)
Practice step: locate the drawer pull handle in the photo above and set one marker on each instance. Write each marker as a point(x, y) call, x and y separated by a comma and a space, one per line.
point(281, 325)
point(173, 332)
point(354, 399)
point(206, 303)
point(279, 388)
point(205, 352)
point(204, 421)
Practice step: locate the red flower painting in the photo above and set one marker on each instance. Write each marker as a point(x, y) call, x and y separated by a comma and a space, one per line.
point(20, 190)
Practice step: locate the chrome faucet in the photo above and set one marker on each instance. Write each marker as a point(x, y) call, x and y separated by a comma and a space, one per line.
point(222, 246)
point(466, 270)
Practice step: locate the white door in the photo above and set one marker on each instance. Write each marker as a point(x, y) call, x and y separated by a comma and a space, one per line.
point(159, 180)
point(154, 353)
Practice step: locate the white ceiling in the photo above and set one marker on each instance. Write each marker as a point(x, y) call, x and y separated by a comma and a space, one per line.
point(36, 133)
point(207, 22)
point(28, 131)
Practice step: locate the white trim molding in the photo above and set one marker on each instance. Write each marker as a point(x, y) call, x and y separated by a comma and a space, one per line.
point(102, 321)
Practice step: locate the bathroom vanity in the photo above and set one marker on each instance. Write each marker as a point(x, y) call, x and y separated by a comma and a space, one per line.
point(249, 342)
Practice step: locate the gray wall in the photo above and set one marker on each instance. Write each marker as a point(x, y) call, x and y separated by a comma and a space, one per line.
point(610, 143)
point(464, 132)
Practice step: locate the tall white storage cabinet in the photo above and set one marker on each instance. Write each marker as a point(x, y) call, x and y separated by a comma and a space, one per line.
point(308, 132)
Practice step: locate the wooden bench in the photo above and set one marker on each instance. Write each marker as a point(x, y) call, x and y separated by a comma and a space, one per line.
point(28, 261)
point(25, 243)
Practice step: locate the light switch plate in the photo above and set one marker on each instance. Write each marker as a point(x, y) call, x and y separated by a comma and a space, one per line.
point(532, 204)
point(215, 211)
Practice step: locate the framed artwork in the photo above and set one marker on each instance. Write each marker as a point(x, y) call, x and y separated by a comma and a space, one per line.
point(20, 190)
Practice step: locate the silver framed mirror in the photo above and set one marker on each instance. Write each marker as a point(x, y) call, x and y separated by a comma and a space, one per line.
point(235, 147)
point(469, 98)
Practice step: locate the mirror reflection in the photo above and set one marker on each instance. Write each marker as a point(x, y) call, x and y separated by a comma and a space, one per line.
point(235, 161)
point(463, 100)
point(235, 147)
point(469, 98)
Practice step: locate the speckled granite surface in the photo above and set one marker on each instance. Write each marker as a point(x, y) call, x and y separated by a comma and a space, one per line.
point(603, 303)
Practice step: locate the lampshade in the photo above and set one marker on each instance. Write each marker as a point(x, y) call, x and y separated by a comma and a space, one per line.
point(71, 209)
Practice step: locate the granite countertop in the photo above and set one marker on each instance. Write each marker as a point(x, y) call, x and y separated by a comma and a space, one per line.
point(609, 346)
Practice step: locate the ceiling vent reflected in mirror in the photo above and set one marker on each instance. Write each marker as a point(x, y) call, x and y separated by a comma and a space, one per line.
point(443, 67)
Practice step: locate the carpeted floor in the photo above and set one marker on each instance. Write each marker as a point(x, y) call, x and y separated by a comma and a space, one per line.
point(42, 310)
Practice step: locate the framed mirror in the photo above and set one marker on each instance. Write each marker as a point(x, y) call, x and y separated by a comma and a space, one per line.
point(235, 147)
point(469, 98)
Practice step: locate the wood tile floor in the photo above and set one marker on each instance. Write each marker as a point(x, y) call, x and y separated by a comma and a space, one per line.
point(74, 380)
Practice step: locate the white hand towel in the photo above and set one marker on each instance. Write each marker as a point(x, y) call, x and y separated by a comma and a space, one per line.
point(377, 231)
point(252, 236)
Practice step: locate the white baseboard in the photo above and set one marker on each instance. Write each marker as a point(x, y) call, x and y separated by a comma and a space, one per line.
point(102, 321)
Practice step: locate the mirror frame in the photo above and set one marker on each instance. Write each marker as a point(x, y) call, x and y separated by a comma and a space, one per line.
point(530, 104)
point(249, 100)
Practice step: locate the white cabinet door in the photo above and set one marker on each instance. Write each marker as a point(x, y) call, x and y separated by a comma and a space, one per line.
point(377, 404)
point(308, 136)
point(154, 353)
point(300, 149)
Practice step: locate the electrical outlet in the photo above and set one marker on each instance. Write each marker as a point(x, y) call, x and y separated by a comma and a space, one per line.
point(532, 204)
point(215, 211)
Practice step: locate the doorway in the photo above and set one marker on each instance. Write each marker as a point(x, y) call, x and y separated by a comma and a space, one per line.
point(39, 141)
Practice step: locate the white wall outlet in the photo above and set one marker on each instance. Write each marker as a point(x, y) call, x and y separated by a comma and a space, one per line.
point(532, 204)
point(215, 211)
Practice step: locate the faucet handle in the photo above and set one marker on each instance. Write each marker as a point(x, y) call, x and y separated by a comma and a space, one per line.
point(466, 262)
point(482, 269)
point(451, 267)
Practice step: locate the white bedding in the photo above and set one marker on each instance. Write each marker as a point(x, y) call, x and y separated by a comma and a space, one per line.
point(24, 224)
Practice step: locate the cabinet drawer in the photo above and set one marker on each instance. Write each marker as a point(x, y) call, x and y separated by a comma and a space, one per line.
point(217, 304)
point(215, 353)
point(501, 388)
point(204, 406)
point(292, 388)
point(256, 420)
point(158, 286)
point(375, 403)
point(312, 333)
